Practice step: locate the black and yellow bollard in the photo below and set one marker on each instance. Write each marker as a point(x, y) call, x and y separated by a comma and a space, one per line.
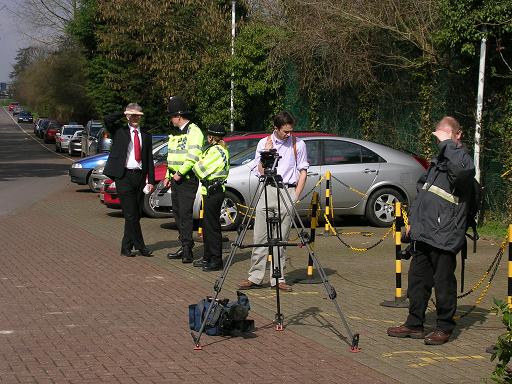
point(398, 301)
point(310, 279)
point(510, 266)
point(328, 196)
point(201, 216)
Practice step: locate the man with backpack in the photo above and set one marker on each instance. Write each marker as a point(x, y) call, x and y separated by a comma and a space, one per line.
point(438, 222)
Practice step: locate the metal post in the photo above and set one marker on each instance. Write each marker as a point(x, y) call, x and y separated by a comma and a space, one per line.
point(233, 31)
point(479, 107)
point(399, 301)
point(327, 202)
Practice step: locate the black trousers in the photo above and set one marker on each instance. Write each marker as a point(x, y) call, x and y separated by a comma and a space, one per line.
point(129, 187)
point(432, 267)
point(183, 196)
point(212, 235)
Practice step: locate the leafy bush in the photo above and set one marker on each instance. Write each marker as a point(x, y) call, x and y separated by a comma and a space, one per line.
point(503, 348)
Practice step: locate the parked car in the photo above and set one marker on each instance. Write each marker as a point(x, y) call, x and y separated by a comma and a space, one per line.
point(12, 105)
point(108, 194)
point(101, 142)
point(16, 110)
point(36, 124)
point(50, 133)
point(42, 124)
point(25, 117)
point(64, 136)
point(88, 135)
point(81, 170)
point(75, 143)
point(384, 175)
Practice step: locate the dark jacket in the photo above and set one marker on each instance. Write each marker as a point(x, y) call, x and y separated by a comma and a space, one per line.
point(438, 215)
point(116, 163)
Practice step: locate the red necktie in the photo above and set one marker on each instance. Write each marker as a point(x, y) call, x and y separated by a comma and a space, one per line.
point(136, 145)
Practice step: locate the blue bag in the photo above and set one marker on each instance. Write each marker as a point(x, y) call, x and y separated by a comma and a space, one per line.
point(225, 318)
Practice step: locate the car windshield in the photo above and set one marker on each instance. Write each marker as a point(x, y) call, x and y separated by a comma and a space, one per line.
point(95, 129)
point(70, 130)
point(243, 157)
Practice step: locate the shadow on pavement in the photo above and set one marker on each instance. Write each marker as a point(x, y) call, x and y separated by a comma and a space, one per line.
point(312, 317)
point(9, 171)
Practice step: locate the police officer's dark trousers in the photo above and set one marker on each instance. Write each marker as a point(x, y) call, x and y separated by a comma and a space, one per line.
point(183, 196)
point(129, 187)
point(212, 235)
point(432, 267)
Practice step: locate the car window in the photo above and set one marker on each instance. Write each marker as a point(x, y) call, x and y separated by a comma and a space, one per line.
point(71, 130)
point(243, 157)
point(161, 154)
point(313, 150)
point(237, 146)
point(344, 152)
point(94, 129)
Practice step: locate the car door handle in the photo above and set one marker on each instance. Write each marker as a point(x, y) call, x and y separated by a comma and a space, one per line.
point(368, 170)
point(312, 174)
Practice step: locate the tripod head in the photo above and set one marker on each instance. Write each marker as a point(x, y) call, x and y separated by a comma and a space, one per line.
point(269, 160)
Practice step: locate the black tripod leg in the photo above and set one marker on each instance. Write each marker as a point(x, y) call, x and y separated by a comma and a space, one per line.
point(329, 289)
point(220, 281)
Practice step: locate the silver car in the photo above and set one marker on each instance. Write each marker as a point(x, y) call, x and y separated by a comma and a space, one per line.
point(75, 143)
point(367, 179)
point(63, 137)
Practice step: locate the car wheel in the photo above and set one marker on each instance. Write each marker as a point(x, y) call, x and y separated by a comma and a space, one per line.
point(94, 185)
point(230, 218)
point(150, 209)
point(380, 209)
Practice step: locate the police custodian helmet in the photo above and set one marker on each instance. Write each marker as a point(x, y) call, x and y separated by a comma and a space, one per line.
point(177, 106)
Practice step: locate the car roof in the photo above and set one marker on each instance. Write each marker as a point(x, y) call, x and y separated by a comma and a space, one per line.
point(260, 135)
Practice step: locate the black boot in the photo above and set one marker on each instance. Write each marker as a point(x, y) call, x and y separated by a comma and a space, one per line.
point(213, 266)
point(188, 256)
point(175, 255)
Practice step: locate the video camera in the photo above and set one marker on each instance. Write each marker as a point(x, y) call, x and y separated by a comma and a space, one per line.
point(269, 158)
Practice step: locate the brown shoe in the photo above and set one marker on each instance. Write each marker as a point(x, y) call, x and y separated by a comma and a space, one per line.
point(404, 331)
point(283, 287)
point(437, 337)
point(248, 284)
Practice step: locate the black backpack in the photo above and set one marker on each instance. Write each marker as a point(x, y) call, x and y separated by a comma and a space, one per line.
point(474, 207)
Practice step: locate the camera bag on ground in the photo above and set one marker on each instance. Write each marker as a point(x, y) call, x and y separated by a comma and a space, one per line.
point(225, 318)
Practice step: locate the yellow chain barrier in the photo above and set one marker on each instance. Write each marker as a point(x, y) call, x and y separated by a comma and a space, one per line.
point(356, 249)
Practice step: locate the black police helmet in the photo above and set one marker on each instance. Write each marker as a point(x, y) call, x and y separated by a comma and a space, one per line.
point(216, 130)
point(177, 106)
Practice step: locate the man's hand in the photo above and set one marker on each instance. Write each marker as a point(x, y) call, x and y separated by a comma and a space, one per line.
point(177, 177)
point(166, 183)
point(442, 135)
point(151, 187)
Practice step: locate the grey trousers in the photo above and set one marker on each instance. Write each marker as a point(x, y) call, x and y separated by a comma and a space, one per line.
point(259, 256)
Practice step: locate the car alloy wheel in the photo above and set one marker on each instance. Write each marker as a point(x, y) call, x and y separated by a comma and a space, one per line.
point(380, 210)
point(230, 218)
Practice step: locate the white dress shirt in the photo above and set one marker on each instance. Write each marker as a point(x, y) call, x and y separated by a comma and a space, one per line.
point(131, 163)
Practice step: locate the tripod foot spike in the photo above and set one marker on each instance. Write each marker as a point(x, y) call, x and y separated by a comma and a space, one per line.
point(354, 348)
point(198, 347)
point(279, 327)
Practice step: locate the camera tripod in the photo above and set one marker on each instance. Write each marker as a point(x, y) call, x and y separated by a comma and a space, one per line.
point(274, 239)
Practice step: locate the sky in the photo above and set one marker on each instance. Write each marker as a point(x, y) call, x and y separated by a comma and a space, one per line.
point(10, 38)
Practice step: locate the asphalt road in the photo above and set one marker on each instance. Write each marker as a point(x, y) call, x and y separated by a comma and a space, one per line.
point(29, 169)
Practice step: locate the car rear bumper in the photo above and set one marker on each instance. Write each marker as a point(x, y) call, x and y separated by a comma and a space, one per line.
point(79, 175)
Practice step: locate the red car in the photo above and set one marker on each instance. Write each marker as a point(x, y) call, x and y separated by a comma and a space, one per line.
point(13, 105)
point(51, 132)
point(109, 197)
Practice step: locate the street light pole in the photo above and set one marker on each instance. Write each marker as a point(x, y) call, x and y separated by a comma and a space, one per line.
point(233, 25)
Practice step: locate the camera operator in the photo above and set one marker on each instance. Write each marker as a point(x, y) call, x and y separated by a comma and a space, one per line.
point(437, 229)
point(292, 167)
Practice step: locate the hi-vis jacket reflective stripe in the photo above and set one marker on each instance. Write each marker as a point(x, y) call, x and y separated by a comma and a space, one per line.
point(184, 150)
point(213, 165)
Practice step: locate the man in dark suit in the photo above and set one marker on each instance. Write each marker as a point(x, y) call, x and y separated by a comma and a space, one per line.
point(129, 162)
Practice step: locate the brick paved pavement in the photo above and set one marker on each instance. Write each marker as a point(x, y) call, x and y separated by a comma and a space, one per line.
point(73, 311)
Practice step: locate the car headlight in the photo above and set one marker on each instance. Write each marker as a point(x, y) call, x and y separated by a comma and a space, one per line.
point(101, 162)
point(76, 165)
